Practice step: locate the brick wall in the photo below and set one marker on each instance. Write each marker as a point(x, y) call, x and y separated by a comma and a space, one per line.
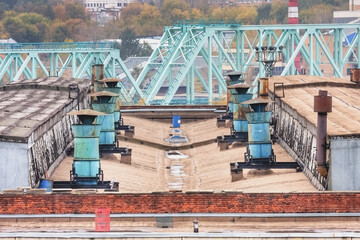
point(182, 203)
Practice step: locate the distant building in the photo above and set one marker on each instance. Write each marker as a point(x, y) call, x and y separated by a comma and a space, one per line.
point(354, 5)
point(10, 40)
point(240, 2)
point(101, 5)
point(105, 10)
point(348, 16)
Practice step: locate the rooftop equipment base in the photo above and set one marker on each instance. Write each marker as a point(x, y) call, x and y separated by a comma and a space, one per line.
point(107, 185)
point(221, 120)
point(264, 165)
point(226, 140)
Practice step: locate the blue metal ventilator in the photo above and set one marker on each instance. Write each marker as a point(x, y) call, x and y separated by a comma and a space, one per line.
point(108, 137)
point(105, 105)
point(86, 170)
point(239, 130)
point(111, 85)
point(234, 78)
point(259, 153)
point(259, 149)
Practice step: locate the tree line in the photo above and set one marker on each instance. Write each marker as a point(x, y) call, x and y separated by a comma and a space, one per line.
point(67, 20)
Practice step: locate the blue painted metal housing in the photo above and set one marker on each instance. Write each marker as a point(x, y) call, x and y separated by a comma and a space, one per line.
point(86, 169)
point(234, 78)
point(105, 105)
point(239, 130)
point(176, 121)
point(259, 149)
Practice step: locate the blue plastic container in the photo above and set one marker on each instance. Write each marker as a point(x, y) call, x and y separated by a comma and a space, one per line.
point(46, 184)
point(176, 121)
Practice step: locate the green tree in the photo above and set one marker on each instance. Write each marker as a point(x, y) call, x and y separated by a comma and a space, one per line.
point(263, 13)
point(175, 10)
point(129, 45)
point(279, 11)
point(26, 27)
point(317, 14)
point(145, 50)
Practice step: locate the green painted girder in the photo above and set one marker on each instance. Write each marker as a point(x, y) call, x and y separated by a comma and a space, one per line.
point(295, 39)
point(234, 45)
point(161, 74)
point(187, 54)
point(53, 59)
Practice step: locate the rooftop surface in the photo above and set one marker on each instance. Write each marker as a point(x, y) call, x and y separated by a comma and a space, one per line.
point(27, 104)
point(344, 120)
point(205, 168)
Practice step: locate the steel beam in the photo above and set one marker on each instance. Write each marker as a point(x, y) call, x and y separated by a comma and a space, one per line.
point(179, 48)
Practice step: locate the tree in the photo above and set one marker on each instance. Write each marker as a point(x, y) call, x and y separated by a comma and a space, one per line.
point(279, 11)
point(263, 12)
point(145, 50)
point(129, 45)
point(317, 14)
point(247, 15)
point(174, 10)
point(26, 27)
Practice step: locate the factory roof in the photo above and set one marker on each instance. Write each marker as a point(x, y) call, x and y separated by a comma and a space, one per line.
point(204, 168)
point(344, 120)
point(27, 104)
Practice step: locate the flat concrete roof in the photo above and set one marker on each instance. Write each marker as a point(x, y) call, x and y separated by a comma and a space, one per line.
point(27, 104)
point(344, 120)
point(205, 168)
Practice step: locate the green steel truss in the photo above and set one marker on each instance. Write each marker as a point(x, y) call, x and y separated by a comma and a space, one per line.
point(194, 56)
point(232, 47)
point(19, 61)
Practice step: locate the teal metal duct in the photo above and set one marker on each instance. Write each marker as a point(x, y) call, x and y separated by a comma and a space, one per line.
point(105, 105)
point(86, 169)
point(234, 78)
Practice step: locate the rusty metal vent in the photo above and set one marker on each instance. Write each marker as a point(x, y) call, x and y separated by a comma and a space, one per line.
point(355, 75)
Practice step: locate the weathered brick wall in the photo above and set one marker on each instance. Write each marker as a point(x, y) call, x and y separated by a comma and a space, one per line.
point(298, 136)
point(325, 202)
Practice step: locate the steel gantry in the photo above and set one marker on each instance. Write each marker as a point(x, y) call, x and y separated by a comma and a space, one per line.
point(195, 56)
point(325, 49)
point(19, 61)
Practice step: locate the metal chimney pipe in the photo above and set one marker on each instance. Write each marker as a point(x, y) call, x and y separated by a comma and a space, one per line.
point(322, 105)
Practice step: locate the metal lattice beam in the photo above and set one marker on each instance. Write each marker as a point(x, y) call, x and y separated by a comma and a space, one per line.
point(25, 61)
point(193, 52)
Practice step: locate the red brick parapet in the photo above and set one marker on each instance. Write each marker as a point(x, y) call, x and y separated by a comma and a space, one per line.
point(329, 202)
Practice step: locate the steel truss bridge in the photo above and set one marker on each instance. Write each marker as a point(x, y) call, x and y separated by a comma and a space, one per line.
point(325, 49)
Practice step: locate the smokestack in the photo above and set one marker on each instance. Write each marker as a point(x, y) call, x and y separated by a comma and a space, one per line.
point(322, 105)
point(293, 18)
point(293, 12)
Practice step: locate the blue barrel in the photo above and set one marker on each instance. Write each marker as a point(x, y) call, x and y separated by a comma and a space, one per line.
point(176, 121)
point(46, 184)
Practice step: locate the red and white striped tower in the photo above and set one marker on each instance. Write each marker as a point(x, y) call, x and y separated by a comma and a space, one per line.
point(293, 18)
point(293, 12)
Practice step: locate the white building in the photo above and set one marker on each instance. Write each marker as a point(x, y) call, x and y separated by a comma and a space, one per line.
point(348, 16)
point(101, 5)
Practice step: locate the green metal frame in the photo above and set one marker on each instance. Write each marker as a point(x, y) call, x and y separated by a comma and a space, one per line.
point(221, 46)
point(34, 60)
point(234, 46)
